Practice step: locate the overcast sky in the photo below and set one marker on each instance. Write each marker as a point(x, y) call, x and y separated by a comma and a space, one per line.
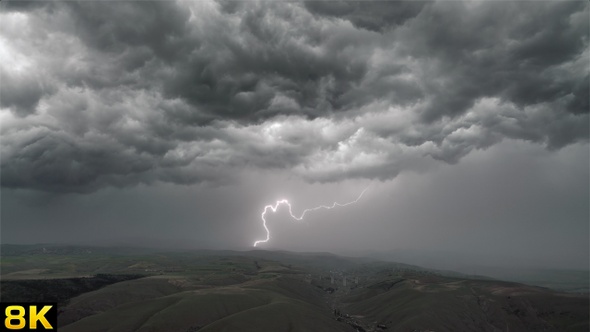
point(175, 123)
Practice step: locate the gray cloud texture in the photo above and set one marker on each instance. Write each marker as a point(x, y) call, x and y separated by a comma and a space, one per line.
point(98, 94)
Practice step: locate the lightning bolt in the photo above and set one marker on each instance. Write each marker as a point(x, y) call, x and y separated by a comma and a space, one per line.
point(286, 202)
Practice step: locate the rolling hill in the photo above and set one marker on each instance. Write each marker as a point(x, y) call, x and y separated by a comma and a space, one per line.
point(273, 291)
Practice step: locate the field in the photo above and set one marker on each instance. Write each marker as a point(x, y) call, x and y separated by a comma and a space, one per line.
point(117, 289)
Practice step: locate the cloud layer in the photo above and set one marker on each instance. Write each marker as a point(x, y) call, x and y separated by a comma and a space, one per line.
point(115, 94)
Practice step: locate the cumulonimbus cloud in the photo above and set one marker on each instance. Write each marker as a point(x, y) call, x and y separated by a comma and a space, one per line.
point(116, 94)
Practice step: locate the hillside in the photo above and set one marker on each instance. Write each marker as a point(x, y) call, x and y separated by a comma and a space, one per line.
point(273, 291)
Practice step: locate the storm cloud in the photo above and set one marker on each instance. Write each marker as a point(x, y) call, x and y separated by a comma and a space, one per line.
point(97, 94)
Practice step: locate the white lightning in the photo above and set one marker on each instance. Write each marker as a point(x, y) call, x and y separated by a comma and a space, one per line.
point(286, 202)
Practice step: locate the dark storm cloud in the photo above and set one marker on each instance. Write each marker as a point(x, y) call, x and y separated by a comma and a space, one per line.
point(114, 94)
point(22, 93)
point(500, 50)
point(372, 15)
point(252, 66)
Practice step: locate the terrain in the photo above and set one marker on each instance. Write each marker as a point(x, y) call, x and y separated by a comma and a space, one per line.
point(123, 289)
